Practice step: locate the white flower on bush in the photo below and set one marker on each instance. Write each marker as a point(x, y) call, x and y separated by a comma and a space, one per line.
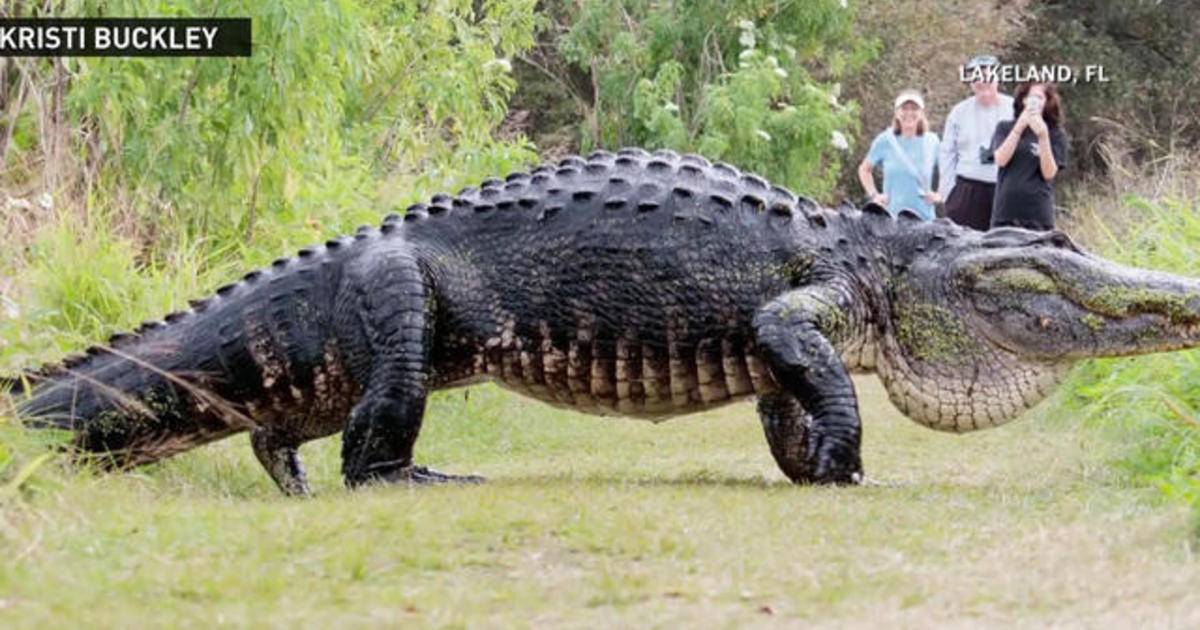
point(671, 107)
point(839, 141)
point(8, 308)
point(746, 25)
point(762, 134)
point(503, 64)
point(16, 203)
point(781, 73)
point(746, 39)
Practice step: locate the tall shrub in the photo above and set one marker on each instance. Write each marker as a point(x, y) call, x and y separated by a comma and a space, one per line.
point(752, 82)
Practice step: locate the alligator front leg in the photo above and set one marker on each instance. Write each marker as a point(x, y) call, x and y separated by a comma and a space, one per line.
point(393, 306)
point(792, 332)
point(786, 425)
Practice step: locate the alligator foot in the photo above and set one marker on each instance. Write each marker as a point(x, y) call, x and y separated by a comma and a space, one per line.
point(423, 475)
point(277, 453)
point(871, 482)
point(419, 475)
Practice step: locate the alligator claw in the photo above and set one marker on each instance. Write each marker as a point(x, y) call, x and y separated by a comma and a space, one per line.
point(837, 476)
point(871, 482)
point(421, 475)
point(835, 464)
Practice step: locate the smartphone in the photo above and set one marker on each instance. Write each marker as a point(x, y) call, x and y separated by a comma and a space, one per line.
point(1033, 104)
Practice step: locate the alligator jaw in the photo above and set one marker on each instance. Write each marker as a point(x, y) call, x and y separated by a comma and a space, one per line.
point(1065, 305)
point(983, 327)
point(1141, 312)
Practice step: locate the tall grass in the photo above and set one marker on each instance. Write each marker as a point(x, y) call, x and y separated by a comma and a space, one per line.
point(128, 186)
point(1154, 401)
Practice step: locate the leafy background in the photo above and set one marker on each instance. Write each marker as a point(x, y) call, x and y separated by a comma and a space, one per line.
point(131, 185)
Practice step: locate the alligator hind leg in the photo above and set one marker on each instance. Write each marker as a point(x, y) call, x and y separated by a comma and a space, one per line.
point(377, 445)
point(793, 332)
point(279, 456)
point(394, 305)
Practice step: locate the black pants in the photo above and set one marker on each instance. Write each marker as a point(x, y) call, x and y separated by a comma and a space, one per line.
point(970, 203)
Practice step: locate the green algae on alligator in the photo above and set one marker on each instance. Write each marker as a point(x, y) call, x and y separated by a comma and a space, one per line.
point(637, 284)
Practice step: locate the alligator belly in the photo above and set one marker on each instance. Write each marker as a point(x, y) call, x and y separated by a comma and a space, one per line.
point(628, 378)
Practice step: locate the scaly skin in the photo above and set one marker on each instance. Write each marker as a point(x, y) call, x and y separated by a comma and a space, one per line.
point(630, 284)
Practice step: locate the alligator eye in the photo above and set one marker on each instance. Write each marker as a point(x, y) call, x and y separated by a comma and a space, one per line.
point(1060, 240)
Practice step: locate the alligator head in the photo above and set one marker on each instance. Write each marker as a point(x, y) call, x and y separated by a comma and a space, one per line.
point(981, 326)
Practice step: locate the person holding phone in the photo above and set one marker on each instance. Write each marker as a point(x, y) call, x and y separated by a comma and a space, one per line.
point(1029, 151)
point(907, 151)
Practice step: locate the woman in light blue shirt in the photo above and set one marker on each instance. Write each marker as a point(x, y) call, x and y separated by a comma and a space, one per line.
point(907, 152)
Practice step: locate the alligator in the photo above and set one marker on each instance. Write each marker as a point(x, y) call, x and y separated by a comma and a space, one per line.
point(638, 284)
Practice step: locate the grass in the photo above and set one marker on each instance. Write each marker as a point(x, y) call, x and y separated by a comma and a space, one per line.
point(1147, 216)
point(594, 522)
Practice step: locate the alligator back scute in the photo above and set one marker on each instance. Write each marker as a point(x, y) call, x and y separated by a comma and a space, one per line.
point(654, 257)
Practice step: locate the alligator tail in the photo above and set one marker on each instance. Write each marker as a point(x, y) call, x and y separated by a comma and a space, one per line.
point(135, 401)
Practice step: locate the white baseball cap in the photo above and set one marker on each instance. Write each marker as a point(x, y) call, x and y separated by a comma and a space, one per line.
point(982, 61)
point(910, 95)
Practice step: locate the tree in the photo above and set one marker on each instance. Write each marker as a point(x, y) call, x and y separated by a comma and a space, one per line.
point(748, 81)
point(1150, 52)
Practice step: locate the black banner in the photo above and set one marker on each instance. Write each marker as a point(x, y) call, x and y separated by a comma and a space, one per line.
point(124, 37)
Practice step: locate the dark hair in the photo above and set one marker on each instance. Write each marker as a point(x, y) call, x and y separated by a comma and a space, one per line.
point(920, 125)
point(1051, 109)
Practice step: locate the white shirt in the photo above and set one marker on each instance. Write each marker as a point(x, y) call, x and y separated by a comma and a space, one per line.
point(969, 127)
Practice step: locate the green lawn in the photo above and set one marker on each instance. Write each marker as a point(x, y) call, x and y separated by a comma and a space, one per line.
point(609, 523)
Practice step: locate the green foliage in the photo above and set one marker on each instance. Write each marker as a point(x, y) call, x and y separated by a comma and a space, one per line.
point(1155, 398)
point(170, 172)
point(747, 81)
point(86, 282)
point(335, 97)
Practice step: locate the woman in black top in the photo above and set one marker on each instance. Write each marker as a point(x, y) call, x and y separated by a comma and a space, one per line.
point(1029, 150)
